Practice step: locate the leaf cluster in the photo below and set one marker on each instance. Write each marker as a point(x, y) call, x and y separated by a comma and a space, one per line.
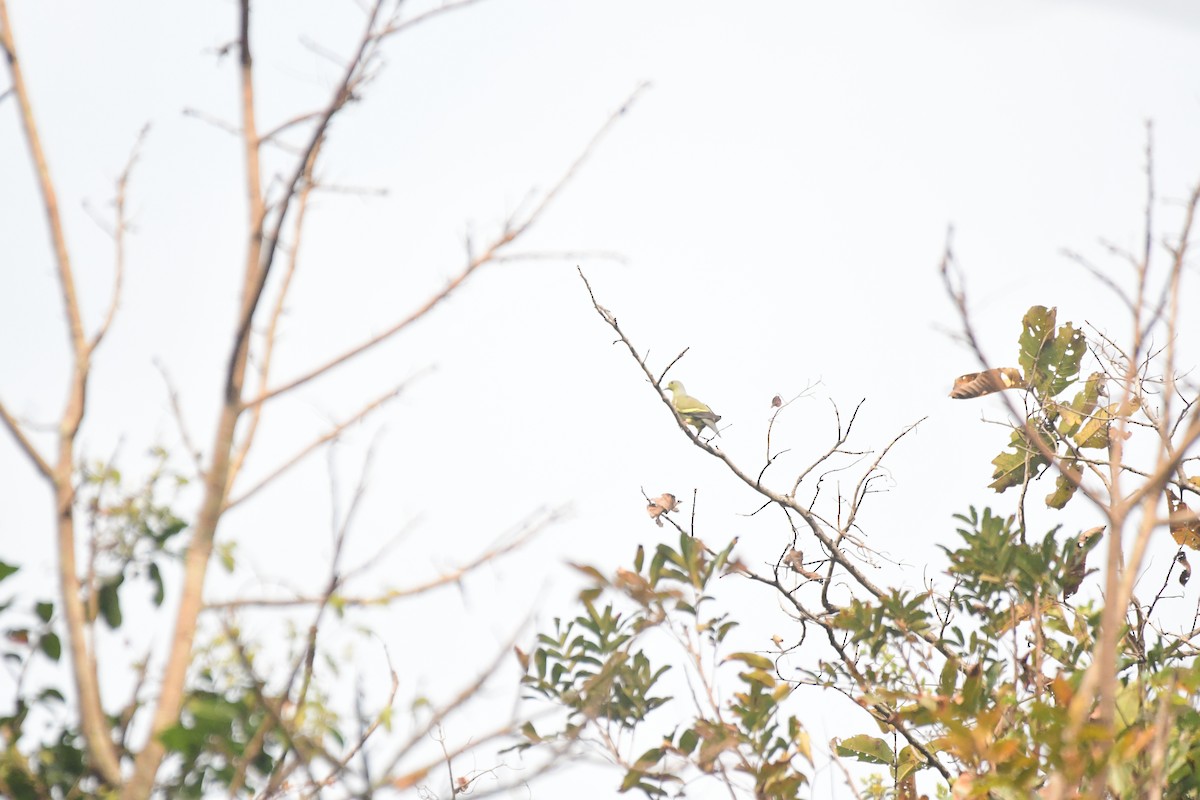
point(596, 669)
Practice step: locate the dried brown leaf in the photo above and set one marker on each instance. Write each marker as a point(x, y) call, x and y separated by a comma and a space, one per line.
point(978, 384)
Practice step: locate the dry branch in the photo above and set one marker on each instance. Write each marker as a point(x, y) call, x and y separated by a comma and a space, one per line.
point(120, 227)
point(30, 450)
point(511, 233)
point(93, 720)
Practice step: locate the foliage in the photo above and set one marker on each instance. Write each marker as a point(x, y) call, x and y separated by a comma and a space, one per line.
point(132, 534)
point(596, 669)
point(1011, 680)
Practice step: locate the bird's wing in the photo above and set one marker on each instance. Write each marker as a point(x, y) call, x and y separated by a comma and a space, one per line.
point(686, 404)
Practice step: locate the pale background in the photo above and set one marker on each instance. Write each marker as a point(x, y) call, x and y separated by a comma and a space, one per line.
point(781, 196)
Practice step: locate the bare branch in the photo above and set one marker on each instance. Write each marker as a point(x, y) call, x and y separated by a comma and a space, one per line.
point(261, 256)
point(354, 191)
point(563, 255)
point(856, 500)
point(14, 427)
point(399, 26)
point(441, 713)
point(140, 783)
point(303, 665)
point(306, 750)
point(264, 369)
point(453, 576)
point(332, 434)
point(325, 53)
point(93, 721)
point(177, 412)
point(54, 221)
point(510, 234)
point(836, 447)
point(1101, 276)
point(216, 122)
point(608, 316)
point(785, 501)
point(291, 123)
point(119, 229)
point(374, 726)
point(414, 777)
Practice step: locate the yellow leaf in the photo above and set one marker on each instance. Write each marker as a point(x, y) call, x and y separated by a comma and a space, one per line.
point(1185, 526)
point(804, 745)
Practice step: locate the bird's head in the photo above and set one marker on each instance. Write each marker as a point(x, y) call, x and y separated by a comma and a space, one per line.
point(675, 387)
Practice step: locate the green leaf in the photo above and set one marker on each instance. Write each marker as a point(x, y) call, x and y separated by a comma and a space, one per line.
point(759, 676)
point(949, 677)
point(801, 738)
point(51, 645)
point(1050, 359)
point(632, 779)
point(45, 610)
point(867, 749)
point(174, 525)
point(179, 739)
point(1011, 465)
point(7, 569)
point(156, 579)
point(110, 602)
point(49, 694)
point(649, 758)
point(657, 563)
point(722, 558)
point(752, 660)
point(908, 761)
point(1065, 484)
point(1036, 329)
point(1063, 357)
point(1072, 415)
point(225, 554)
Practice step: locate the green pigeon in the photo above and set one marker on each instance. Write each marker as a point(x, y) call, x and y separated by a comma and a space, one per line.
point(694, 413)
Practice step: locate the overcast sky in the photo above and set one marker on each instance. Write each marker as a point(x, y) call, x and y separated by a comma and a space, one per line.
point(780, 195)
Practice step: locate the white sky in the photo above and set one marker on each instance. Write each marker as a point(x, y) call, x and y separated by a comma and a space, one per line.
point(781, 194)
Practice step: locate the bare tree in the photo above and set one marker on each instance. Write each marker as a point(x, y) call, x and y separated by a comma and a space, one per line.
point(276, 214)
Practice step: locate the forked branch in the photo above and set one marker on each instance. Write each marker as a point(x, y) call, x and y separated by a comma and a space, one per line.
point(512, 231)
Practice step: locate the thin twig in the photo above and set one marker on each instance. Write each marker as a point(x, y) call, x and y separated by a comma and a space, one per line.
point(399, 26)
point(270, 338)
point(216, 122)
point(177, 412)
point(14, 427)
point(453, 576)
point(442, 712)
point(119, 229)
point(308, 449)
point(510, 234)
point(97, 733)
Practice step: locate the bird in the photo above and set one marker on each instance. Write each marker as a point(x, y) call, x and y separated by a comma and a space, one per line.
point(694, 413)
